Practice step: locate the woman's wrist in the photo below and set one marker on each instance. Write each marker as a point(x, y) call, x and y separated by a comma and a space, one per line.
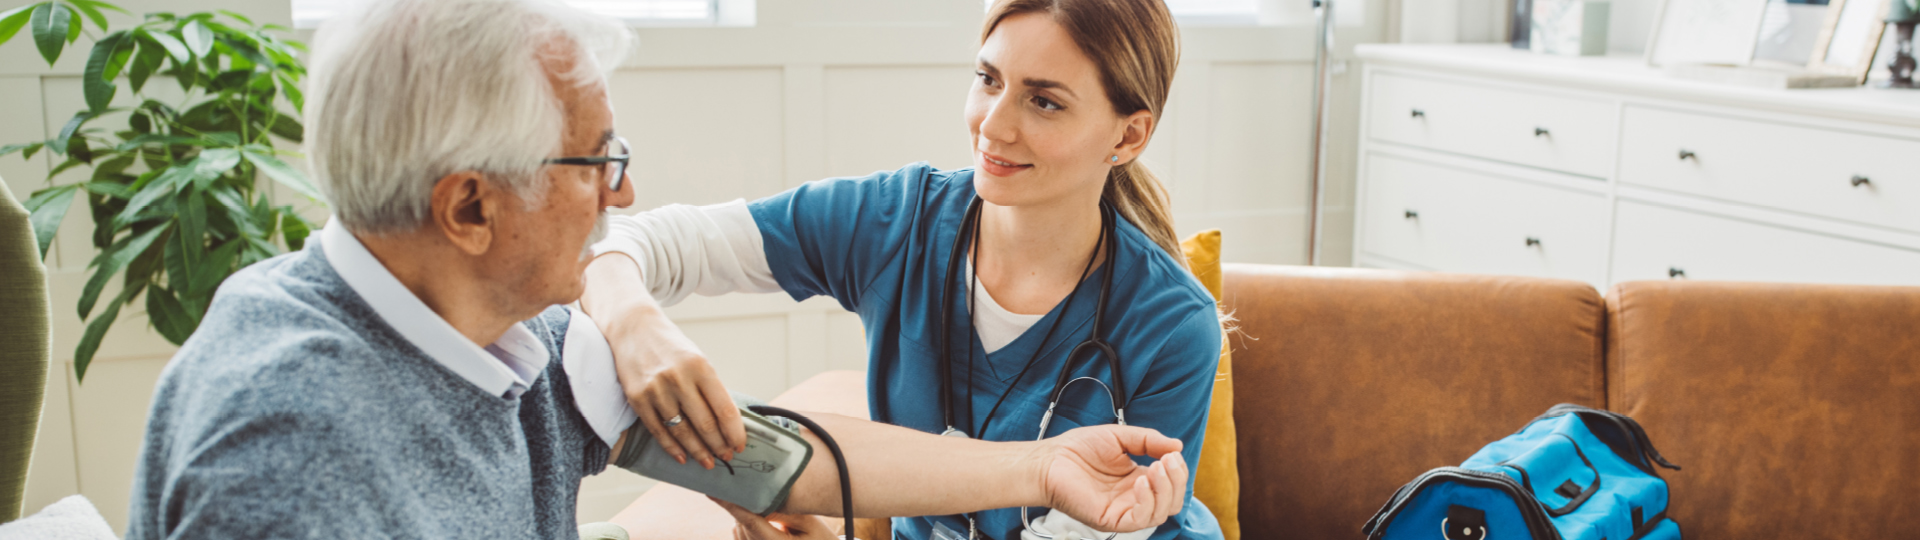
point(1036, 458)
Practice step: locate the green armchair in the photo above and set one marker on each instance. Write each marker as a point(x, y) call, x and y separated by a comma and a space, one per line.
point(24, 348)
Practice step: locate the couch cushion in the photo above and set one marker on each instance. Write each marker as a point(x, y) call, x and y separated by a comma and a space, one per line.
point(1352, 382)
point(1216, 481)
point(1795, 409)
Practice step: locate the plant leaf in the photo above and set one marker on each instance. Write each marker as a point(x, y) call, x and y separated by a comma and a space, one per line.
point(236, 16)
point(48, 208)
point(112, 166)
point(110, 262)
point(213, 162)
point(281, 172)
point(237, 209)
point(147, 61)
point(95, 83)
point(122, 53)
point(198, 38)
point(289, 128)
point(13, 20)
point(191, 219)
point(110, 189)
point(295, 228)
point(97, 329)
point(59, 143)
point(49, 25)
point(174, 47)
point(92, 12)
point(100, 4)
point(293, 92)
point(29, 147)
point(222, 138)
point(64, 165)
point(168, 316)
point(78, 149)
point(73, 26)
point(215, 268)
point(154, 191)
point(152, 138)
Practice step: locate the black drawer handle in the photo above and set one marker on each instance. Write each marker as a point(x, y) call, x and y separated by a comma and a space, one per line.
point(1675, 272)
point(1412, 214)
point(1533, 241)
point(1541, 132)
point(1860, 180)
point(1688, 154)
point(1417, 113)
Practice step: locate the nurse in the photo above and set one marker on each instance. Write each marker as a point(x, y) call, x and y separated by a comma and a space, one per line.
point(1056, 210)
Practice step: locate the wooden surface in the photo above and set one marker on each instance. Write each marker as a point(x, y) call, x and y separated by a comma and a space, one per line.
point(672, 512)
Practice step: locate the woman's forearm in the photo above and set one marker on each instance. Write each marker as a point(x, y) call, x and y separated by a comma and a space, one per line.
point(901, 472)
point(616, 291)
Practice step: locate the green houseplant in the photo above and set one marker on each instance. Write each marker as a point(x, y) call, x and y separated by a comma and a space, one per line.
point(172, 194)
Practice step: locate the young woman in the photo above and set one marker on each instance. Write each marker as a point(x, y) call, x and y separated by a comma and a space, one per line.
point(980, 289)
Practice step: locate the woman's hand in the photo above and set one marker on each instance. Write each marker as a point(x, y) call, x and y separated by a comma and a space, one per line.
point(750, 526)
point(663, 374)
point(1089, 475)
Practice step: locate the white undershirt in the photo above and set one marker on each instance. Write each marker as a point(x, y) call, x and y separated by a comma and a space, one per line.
point(996, 325)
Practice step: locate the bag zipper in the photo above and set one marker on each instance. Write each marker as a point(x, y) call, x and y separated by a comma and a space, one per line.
point(1531, 511)
point(1644, 455)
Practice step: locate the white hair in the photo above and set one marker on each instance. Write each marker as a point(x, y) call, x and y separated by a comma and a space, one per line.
point(405, 92)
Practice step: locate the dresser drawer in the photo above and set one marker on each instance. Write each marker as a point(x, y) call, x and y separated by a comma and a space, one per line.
point(1866, 179)
point(1656, 242)
point(1541, 130)
point(1456, 220)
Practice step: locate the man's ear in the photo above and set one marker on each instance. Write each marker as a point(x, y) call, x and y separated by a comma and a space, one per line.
point(1138, 128)
point(465, 207)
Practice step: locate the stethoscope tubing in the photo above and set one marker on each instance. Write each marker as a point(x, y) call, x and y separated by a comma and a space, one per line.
point(1094, 344)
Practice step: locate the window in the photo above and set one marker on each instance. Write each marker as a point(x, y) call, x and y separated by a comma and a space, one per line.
point(1262, 12)
point(309, 13)
point(1216, 11)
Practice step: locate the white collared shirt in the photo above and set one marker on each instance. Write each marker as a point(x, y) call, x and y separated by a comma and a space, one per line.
point(508, 366)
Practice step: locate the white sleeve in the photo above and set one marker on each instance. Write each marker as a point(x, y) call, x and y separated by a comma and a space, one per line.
point(681, 249)
point(596, 389)
point(1060, 526)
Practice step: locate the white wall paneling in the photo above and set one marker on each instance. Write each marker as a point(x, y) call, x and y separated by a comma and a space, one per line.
point(818, 88)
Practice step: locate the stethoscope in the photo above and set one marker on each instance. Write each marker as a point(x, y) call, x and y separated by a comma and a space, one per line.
point(1116, 393)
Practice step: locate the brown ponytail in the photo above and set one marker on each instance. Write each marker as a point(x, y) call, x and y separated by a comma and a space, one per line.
point(1137, 47)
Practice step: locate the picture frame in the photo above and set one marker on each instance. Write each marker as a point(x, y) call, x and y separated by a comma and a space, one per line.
point(1720, 32)
point(1850, 38)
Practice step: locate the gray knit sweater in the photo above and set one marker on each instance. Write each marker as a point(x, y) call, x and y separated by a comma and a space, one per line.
point(295, 412)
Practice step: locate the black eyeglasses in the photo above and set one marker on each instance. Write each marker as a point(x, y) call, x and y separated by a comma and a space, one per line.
point(620, 159)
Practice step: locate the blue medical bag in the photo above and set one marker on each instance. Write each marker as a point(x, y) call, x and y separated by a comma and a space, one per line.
point(1574, 473)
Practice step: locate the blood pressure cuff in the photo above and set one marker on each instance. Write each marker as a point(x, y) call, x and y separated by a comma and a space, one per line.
point(758, 479)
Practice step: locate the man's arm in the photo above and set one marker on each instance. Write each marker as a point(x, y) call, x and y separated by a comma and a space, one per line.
point(1086, 473)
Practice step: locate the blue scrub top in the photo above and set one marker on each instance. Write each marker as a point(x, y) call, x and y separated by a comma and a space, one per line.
point(879, 244)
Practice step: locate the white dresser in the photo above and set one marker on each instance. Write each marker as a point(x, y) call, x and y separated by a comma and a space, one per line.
point(1479, 158)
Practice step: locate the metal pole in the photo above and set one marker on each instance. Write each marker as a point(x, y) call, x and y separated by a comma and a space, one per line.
point(1322, 110)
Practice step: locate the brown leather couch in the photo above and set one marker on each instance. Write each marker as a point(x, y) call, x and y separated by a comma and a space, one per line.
point(1794, 409)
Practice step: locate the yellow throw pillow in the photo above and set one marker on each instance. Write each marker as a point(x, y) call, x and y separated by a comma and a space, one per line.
point(1217, 483)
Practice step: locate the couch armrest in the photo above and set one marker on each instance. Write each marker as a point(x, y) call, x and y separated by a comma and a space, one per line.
point(669, 512)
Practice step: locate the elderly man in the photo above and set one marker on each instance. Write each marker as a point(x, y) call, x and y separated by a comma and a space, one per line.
point(399, 376)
